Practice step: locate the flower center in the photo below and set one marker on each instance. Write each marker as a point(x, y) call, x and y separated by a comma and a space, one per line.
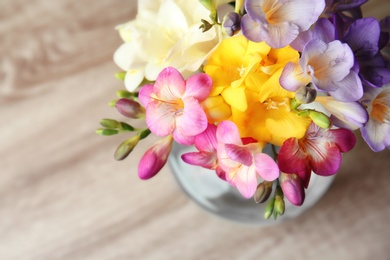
point(270, 11)
point(380, 107)
point(276, 103)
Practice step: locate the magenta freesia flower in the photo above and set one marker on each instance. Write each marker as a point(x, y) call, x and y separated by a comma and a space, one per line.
point(278, 22)
point(206, 143)
point(319, 151)
point(172, 105)
point(376, 132)
point(329, 67)
point(243, 163)
point(155, 158)
point(292, 187)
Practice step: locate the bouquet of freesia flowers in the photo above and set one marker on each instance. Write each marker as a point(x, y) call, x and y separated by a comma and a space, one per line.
point(230, 77)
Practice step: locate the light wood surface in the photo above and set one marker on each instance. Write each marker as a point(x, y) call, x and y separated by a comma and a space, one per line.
point(63, 196)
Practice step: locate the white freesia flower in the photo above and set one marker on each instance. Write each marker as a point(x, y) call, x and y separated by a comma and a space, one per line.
point(164, 33)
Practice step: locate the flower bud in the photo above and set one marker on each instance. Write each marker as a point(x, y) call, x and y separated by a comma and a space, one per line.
point(106, 131)
point(279, 202)
point(269, 208)
point(263, 191)
point(231, 23)
point(292, 187)
point(130, 108)
point(320, 119)
point(155, 158)
point(125, 148)
point(109, 123)
point(306, 95)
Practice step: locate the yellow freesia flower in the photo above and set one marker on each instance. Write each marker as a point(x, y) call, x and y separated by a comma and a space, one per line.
point(246, 76)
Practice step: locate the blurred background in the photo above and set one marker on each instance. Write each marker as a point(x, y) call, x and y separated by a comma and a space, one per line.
point(63, 196)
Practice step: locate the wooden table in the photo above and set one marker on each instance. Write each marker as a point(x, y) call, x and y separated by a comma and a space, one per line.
point(63, 196)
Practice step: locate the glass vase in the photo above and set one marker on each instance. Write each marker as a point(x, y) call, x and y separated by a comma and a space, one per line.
point(221, 199)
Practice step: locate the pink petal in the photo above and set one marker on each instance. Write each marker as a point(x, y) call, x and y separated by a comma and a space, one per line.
point(145, 95)
point(292, 187)
point(266, 167)
point(155, 158)
point(207, 140)
point(182, 139)
point(170, 84)
point(246, 181)
point(198, 86)
point(227, 133)
point(239, 154)
point(193, 119)
point(159, 118)
point(325, 157)
point(204, 159)
point(343, 138)
point(291, 158)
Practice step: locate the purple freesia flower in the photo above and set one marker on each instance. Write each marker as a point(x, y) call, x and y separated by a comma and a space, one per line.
point(323, 30)
point(376, 132)
point(278, 22)
point(329, 66)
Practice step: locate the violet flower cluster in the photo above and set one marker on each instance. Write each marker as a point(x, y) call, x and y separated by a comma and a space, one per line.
point(299, 75)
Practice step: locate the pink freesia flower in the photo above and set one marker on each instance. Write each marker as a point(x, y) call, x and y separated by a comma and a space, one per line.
point(206, 143)
point(155, 158)
point(376, 132)
point(242, 163)
point(278, 22)
point(319, 151)
point(172, 105)
point(329, 67)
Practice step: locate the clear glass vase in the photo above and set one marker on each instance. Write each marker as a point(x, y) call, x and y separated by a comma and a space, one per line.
point(221, 199)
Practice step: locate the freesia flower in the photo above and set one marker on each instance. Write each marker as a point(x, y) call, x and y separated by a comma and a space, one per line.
point(349, 115)
point(278, 22)
point(164, 33)
point(243, 163)
point(172, 105)
point(319, 151)
point(376, 132)
point(246, 75)
point(155, 158)
point(328, 67)
point(206, 143)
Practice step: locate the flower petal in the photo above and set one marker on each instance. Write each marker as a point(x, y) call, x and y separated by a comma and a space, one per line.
point(198, 86)
point(343, 138)
point(246, 181)
point(133, 79)
point(266, 167)
point(159, 118)
point(376, 135)
point(170, 84)
point(207, 140)
point(325, 157)
point(145, 95)
point(203, 159)
point(293, 77)
point(227, 133)
point(349, 89)
point(193, 119)
point(239, 154)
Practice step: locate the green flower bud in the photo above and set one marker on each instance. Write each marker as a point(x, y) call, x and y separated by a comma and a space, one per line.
point(106, 131)
point(125, 148)
point(320, 119)
point(124, 94)
point(269, 208)
point(263, 191)
point(279, 205)
point(120, 75)
point(109, 123)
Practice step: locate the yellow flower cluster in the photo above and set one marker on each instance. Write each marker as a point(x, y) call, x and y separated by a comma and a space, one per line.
point(246, 90)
